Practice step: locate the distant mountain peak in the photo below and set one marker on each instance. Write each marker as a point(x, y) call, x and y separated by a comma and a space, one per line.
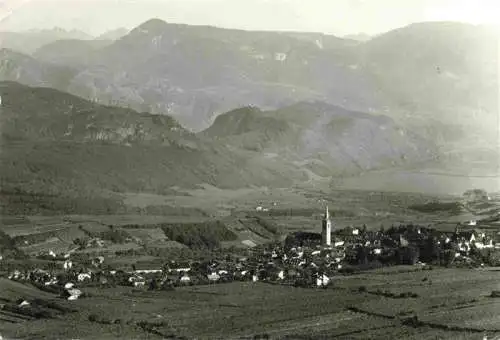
point(152, 25)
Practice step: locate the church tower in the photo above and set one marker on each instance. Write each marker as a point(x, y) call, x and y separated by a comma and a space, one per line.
point(326, 233)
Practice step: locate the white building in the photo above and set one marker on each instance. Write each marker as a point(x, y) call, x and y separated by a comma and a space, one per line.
point(280, 56)
point(213, 277)
point(322, 280)
point(83, 277)
point(68, 264)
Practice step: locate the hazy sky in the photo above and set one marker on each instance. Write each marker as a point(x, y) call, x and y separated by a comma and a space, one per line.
point(330, 16)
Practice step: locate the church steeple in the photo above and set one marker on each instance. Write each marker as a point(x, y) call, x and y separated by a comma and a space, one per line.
point(326, 229)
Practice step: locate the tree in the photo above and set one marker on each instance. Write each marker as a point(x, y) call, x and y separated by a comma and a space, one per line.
point(153, 284)
point(430, 250)
point(361, 255)
point(493, 258)
point(408, 255)
point(382, 229)
point(448, 256)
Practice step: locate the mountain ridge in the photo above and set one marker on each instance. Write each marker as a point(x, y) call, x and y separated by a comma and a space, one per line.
point(310, 132)
point(56, 142)
point(196, 72)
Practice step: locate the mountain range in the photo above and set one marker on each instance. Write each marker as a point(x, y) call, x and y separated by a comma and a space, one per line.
point(422, 71)
point(169, 105)
point(28, 42)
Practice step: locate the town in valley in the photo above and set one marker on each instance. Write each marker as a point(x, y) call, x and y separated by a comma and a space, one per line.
point(241, 169)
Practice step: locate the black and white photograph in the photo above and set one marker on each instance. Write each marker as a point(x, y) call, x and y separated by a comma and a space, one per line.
point(249, 169)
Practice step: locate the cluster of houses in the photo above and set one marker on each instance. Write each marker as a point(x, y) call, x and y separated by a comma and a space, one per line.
point(306, 259)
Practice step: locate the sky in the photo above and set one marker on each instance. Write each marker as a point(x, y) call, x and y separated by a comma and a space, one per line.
point(338, 17)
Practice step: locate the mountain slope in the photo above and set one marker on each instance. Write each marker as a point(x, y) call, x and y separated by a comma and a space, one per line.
point(113, 34)
point(21, 68)
point(325, 139)
point(437, 65)
point(362, 37)
point(195, 72)
point(70, 51)
point(56, 143)
point(49, 114)
point(442, 78)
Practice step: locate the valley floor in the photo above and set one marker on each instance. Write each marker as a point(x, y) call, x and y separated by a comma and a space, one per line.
point(446, 303)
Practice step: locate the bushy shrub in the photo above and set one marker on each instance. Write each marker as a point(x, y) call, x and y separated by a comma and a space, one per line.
point(407, 295)
point(347, 270)
point(495, 294)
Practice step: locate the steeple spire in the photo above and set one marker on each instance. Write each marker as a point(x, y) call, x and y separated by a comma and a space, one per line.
point(326, 229)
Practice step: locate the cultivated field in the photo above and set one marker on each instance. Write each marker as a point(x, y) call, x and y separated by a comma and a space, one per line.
point(347, 208)
point(451, 304)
